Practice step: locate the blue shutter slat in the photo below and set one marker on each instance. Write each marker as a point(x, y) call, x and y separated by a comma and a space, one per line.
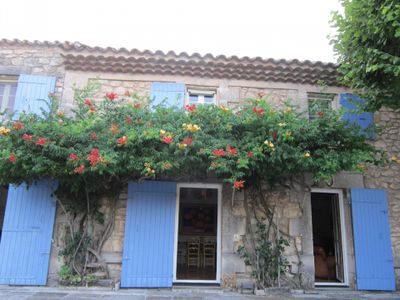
point(149, 235)
point(32, 91)
point(372, 244)
point(167, 93)
point(364, 120)
point(27, 231)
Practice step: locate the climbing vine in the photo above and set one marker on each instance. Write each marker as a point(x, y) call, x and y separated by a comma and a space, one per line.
point(94, 150)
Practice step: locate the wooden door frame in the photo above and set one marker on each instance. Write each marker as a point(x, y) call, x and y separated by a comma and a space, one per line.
point(218, 187)
point(342, 222)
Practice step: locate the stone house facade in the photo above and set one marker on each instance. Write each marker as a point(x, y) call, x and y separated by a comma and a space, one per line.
point(227, 80)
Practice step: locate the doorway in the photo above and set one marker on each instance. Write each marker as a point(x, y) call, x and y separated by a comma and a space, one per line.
point(3, 201)
point(329, 243)
point(197, 234)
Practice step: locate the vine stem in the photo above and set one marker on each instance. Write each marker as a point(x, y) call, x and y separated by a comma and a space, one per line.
point(110, 224)
point(83, 235)
point(71, 228)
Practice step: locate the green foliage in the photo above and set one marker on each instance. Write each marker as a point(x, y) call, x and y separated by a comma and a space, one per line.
point(368, 47)
point(67, 277)
point(90, 279)
point(95, 151)
point(65, 272)
point(75, 247)
point(266, 260)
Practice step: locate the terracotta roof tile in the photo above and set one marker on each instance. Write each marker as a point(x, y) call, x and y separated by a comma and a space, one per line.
point(81, 57)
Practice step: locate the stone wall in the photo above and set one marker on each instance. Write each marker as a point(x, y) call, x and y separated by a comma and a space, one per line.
point(276, 97)
point(388, 177)
point(36, 61)
point(141, 88)
point(292, 211)
point(112, 248)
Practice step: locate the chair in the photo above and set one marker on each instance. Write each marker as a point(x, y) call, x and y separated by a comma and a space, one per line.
point(209, 255)
point(193, 254)
point(181, 253)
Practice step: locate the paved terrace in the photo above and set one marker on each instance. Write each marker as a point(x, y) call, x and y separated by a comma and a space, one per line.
point(192, 293)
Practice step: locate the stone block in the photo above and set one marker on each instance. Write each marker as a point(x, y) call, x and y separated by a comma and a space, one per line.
point(17, 61)
point(43, 60)
point(290, 250)
point(228, 95)
point(114, 257)
point(295, 226)
point(117, 244)
point(238, 209)
point(119, 226)
point(115, 271)
point(120, 90)
point(292, 210)
point(240, 227)
point(283, 224)
point(108, 246)
point(299, 243)
point(348, 180)
point(227, 241)
point(236, 244)
point(232, 263)
point(229, 280)
point(239, 196)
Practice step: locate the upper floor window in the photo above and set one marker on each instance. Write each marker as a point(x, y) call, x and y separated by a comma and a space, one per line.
point(8, 90)
point(319, 102)
point(200, 97)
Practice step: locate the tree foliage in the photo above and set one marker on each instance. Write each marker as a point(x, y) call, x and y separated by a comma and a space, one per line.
point(102, 145)
point(367, 43)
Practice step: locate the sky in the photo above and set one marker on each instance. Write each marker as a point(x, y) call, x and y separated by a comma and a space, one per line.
point(270, 28)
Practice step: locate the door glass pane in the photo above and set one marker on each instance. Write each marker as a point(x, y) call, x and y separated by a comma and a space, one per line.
point(338, 239)
point(7, 96)
point(2, 87)
point(11, 97)
point(197, 234)
point(208, 99)
point(193, 99)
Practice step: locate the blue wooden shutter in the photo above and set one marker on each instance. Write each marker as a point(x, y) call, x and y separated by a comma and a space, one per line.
point(149, 235)
point(167, 93)
point(365, 120)
point(27, 232)
point(373, 250)
point(32, 93)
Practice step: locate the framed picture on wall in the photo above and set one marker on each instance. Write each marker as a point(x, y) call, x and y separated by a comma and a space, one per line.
point(198, 219)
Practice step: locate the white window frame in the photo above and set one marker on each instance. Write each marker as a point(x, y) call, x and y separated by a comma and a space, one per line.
point(200, 94)
point(219, 230)
point(331, 98)
point(7, 81)
point(338, 192)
